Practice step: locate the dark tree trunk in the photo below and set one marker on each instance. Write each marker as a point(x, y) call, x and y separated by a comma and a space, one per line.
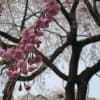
point(72, 94)
point(81, 95)
point(69, 92)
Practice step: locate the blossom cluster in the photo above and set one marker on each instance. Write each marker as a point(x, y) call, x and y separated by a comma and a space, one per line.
point(18, 58)
point(50, 9)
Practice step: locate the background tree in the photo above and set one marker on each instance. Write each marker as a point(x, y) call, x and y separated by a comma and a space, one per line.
point(74, 27)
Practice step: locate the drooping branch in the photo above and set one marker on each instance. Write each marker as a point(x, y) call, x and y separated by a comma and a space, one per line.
point(92, 12)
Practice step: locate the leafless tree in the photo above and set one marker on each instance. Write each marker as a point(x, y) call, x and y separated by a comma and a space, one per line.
point(75, 27)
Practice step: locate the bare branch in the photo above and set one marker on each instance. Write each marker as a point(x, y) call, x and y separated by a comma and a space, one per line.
point(90, 40)
point(74, 6)
point(97, 75)
point(92, 12)
point(7, 36)
point(89, 72)
point(52, 32)
point(59, 50)
point(25, 13)
point(60, 26)
point(65, 13)
point(52, 66)
point(2, 69)
point(9, 89)
point(34, 14)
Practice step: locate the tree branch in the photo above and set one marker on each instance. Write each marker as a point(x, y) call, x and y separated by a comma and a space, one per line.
point(65, 13)
point(7, 36)
point(34, 14)
point(59, 50)
point(33, 75)
point(74, 6)
point(25, 13)
point(60, 26)
point(9, 89)
point(92, 12)
point(89, 72)
point(52, 66)
point(92, 39)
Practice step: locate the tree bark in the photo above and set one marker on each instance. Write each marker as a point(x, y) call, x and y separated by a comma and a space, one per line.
point(73, 67)
point(70, 91)
point(82, 90)
point(8, 91)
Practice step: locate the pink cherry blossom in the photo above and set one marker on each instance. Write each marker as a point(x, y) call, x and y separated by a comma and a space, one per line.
point(15, 74)
point(20, 63)
point(37, 42)
point(9, 73)
point(41, 23)
point(18, 56)
point(39, 33)
point(24, 70)
point(51, 8)
point(36, 59)
point(29, 48)
point(21, 46)
point(32, 68)
point(7, 57)
point(11, 52)
point(19, 53)
point(25, 33)
point(27, 87)
point(11, 68)
point(30, 61)
point(24, 41)
point(1, 52)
